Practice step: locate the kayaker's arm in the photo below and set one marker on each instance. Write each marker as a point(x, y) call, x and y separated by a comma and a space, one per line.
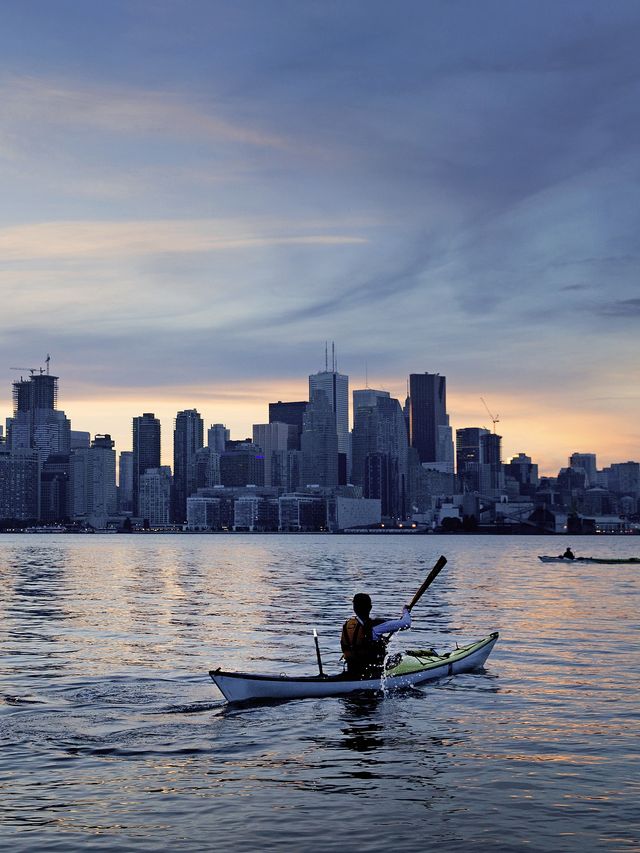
point(393, 625)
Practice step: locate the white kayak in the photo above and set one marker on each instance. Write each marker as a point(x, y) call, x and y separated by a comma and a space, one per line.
point(415, 667)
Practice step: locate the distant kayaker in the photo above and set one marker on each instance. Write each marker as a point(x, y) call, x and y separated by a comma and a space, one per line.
point(362, 641)
point(569, 555)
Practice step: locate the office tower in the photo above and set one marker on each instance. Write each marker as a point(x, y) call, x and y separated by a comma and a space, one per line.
point(274, 439)
point(146, 450)
point(291, 413)
point(587, 463)
point(336, 388)
point(125, 482)
point(478, 461)
point(188, 435)
point(93, 482)
point(54, 488)
point(319, 443)
point(154, 499)
point(429, 428)
point(492, 482)
point(19, 485)
point(217, 437)
point(242, 466)
point(469, 457)
point(380, 452)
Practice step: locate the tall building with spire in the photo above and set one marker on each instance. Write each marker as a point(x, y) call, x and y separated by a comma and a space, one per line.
point(335, 387)
point(146, 451)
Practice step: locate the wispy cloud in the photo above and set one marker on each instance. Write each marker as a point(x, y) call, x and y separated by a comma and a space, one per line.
point(81, 239)
point(58, 103)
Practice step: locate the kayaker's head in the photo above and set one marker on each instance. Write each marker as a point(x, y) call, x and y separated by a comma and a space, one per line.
point(362, 605)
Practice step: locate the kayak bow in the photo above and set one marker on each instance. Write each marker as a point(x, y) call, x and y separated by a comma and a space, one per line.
point(415, 667)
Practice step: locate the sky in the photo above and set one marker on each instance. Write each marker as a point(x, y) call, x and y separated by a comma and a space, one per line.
point(197, 195)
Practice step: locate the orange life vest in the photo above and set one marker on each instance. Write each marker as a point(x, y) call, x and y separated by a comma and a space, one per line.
point(359, 648)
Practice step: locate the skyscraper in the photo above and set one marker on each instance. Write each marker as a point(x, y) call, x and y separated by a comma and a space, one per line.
point(36, 423)
point(429, 428)
point(188, 437)
point(125, 482)
point(319, 443)
point(335, 386)
point(380, 451)
point(146, 450)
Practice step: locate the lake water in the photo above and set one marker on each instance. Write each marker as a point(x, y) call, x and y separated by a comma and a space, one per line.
point(113, 737)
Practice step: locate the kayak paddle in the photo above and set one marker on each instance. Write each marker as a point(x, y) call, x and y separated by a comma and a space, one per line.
point(433, 574)
point(315, 637)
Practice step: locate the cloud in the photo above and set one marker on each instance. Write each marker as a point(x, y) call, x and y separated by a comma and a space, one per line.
point(81, 239)
point(44, 101)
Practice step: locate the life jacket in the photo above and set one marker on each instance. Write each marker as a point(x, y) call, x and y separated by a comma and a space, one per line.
point(359, 648)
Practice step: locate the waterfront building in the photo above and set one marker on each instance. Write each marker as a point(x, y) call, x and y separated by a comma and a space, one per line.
point(146, 451)
point(19, 484)
point(203, 513)
point(302, 513)
point(524, 472)
point(319, 443)
point(92, 475)
point(291, 413)
point(155, 496)
point(623, 478)
point(188, 438)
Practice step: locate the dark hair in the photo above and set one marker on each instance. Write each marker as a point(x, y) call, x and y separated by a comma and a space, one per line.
point(362, 604)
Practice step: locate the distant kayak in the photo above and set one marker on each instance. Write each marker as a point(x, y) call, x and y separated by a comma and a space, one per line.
point(607, 560)
point(415, 667)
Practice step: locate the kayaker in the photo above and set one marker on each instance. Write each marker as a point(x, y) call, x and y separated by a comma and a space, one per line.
point(363, 641)
point(568, 554)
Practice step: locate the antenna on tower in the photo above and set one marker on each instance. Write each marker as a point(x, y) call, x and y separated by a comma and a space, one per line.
point(333, 355)
point(326, 356)
point(46, 361)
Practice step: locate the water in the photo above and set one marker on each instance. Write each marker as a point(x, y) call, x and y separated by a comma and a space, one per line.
point(114, 738)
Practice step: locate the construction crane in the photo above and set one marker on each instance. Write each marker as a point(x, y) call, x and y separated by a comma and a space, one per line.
point(495, 419)
point(33, 370)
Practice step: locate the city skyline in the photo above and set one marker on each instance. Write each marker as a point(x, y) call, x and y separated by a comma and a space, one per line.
point(121, 433)
point(197, 196)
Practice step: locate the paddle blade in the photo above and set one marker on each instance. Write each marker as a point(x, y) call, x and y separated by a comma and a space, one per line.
point(433, 574)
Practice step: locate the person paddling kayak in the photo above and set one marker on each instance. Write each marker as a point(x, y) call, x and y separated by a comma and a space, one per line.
point(568, 554)
point(362, 640)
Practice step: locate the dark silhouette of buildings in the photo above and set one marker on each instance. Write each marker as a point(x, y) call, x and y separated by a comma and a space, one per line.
point(146, 450)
